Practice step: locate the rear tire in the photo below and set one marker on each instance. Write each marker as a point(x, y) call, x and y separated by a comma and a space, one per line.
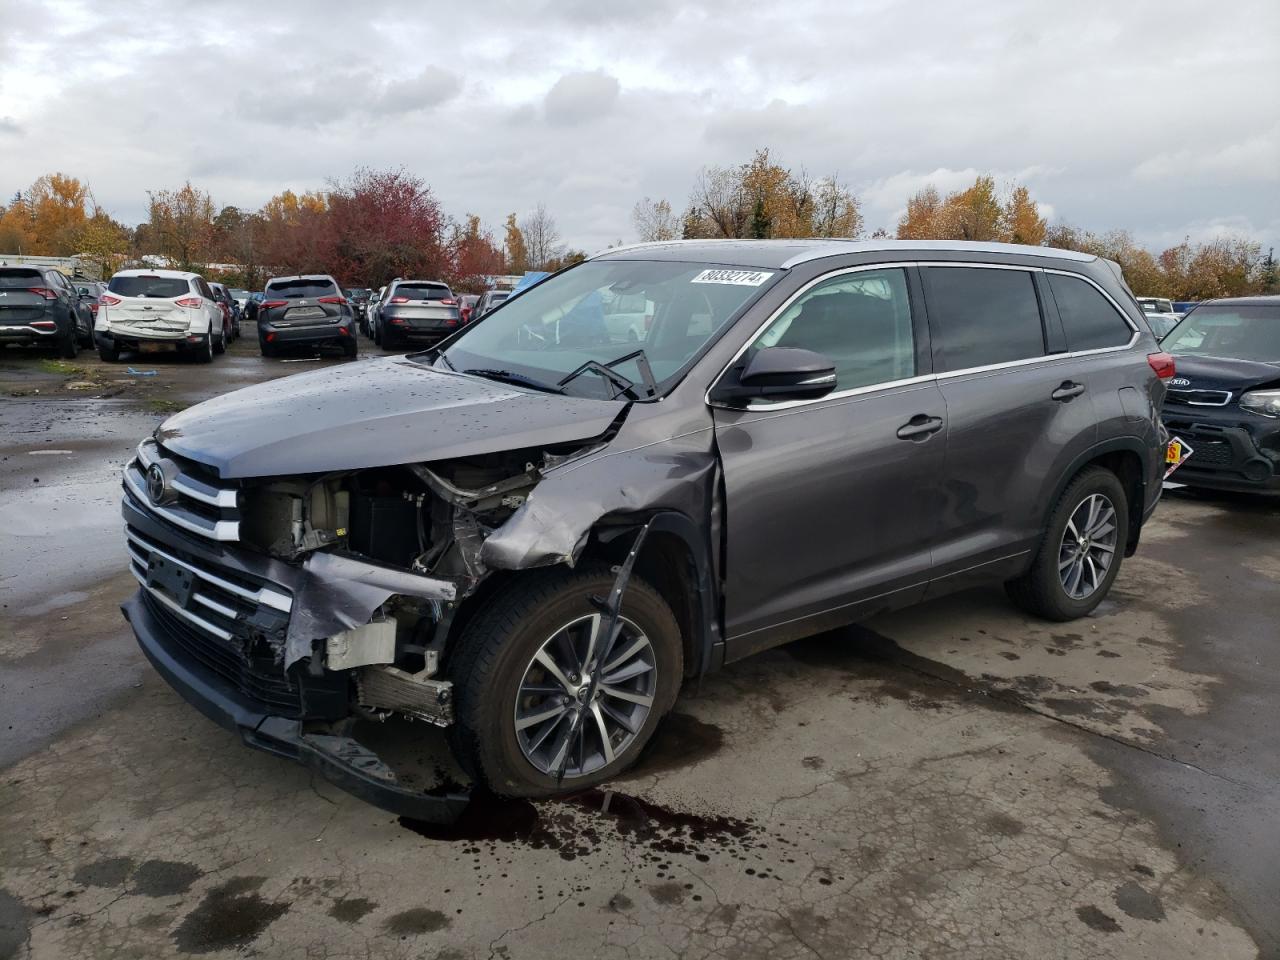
point(491, 663)
point(109, 351)
point(350, 348)
point(388, 342)
point(267, 349)
point(220, 345)
point(203, 352)
point(1044, 589)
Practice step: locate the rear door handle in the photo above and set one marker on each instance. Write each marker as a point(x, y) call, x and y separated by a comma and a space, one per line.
point(919, 427)
point(1067, 391)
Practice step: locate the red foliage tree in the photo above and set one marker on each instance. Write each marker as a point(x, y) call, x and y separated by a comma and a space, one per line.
point(383, 224)
point(476, 256)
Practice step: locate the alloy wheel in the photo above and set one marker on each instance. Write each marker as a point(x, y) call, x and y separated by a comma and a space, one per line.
point(1088, 546)
point(585, 696)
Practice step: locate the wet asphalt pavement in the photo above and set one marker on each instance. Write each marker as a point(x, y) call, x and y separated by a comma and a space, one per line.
point(952, 780)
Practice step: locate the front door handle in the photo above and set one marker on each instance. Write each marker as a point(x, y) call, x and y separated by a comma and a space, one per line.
point(1067, 391)
point(919, 427)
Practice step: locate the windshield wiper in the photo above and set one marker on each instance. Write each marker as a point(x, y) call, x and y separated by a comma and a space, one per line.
point(623, 384)
point(509, 376)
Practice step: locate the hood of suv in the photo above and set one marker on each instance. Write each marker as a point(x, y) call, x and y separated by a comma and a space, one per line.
point(374, 414)
point(1221, 373)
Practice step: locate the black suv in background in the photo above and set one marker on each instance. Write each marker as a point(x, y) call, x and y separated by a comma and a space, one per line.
point(39, 305)
point(417, 312)
point(1225, 400)
point(533, 534)
point(305, 311)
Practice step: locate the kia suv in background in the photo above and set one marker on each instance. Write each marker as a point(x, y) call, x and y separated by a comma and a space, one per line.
point(305, 311)
point(415, 313)
point(40, 306)
point(148, 309)
point(1225, 399)
point(532, 535)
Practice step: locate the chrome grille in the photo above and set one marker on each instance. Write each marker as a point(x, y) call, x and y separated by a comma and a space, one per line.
point(219, 620)
point(197, 505)
point(1200, 398)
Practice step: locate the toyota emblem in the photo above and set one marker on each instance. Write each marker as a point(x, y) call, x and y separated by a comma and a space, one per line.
point(157, 484)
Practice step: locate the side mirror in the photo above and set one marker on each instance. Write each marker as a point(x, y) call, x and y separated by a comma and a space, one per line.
point(778, 373)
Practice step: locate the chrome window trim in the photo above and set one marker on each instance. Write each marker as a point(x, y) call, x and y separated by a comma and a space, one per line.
point(946, 375)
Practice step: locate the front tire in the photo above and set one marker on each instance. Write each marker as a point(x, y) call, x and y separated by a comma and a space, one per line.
point(1080, 552)
point(526, 700)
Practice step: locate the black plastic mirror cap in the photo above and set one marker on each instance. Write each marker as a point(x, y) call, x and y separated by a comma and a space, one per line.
point(787, 366)
point(780, 373)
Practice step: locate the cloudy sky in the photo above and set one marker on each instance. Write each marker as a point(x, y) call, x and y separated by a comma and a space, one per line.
point(1157, 115)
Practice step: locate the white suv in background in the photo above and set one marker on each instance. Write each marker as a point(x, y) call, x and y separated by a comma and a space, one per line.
point(171, 307)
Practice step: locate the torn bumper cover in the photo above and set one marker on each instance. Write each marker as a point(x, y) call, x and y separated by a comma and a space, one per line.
point(341, 760)
point(181, 618)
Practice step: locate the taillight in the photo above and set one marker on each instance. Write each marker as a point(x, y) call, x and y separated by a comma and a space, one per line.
point(272, 304)
point(109, 300)
point(93, 308)
point(43, 292)
point(189, 302)
point(449, 303)
point(332, 300)
point(399, 300)
point(1162, 364)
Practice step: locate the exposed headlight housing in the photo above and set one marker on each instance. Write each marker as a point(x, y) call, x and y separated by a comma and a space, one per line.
point(1263, 402)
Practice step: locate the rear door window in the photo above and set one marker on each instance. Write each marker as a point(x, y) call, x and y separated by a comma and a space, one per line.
point(304, 288)
point(149, 286)
point(982, 316)
point(1089, 319)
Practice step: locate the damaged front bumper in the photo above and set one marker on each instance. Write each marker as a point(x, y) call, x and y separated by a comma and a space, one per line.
point(341, 760)
point(197, 599)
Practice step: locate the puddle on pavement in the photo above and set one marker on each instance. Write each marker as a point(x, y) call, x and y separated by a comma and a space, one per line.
point(580, 825)
point(48, 525)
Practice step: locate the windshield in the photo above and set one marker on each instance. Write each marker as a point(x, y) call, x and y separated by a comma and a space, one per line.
point(239, 294)
point(1239, 332)
point(149, 286)
point(305, 287)
point(603, 310)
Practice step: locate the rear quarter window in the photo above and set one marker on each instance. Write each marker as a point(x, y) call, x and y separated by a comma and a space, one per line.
point(981, 316)
point(1089, 319)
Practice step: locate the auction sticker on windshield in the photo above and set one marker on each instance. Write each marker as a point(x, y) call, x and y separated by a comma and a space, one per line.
point(740, 278)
